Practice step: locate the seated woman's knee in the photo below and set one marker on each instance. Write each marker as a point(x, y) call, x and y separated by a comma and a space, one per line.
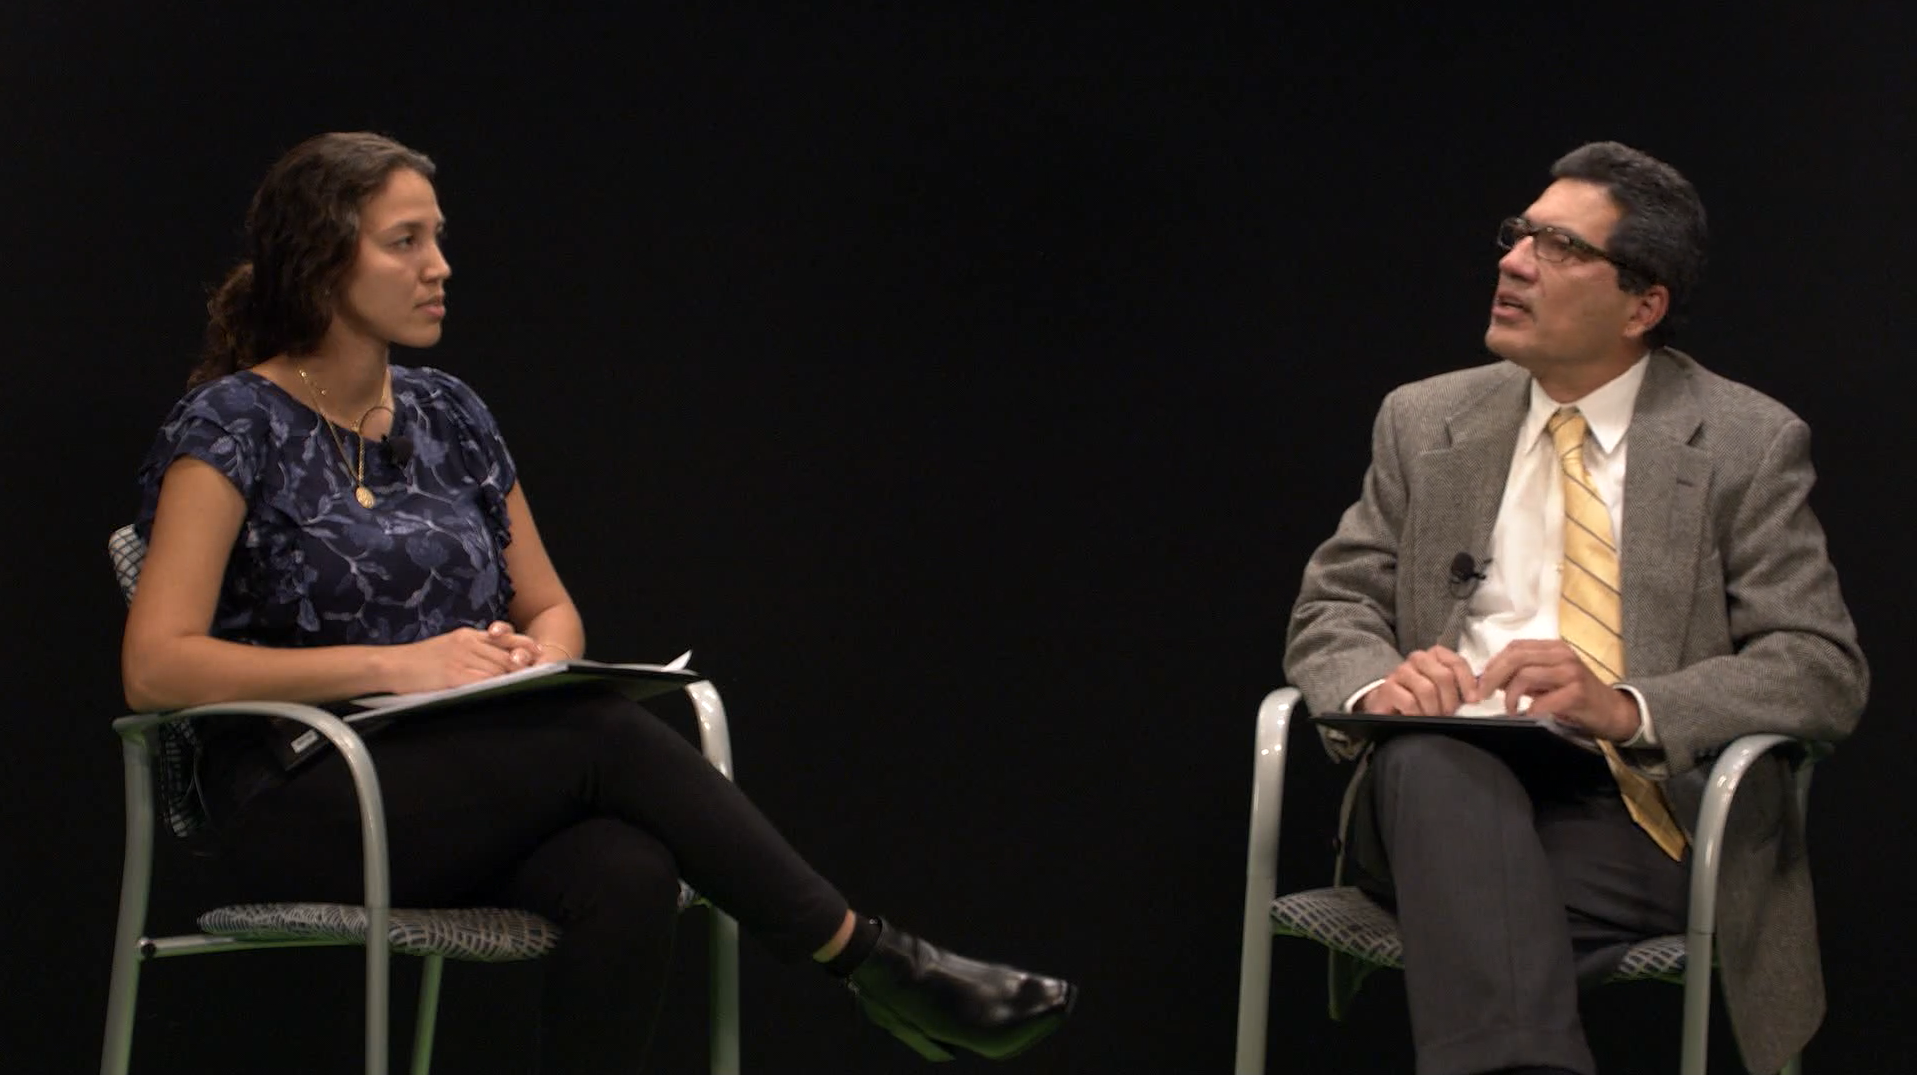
point(603, 864)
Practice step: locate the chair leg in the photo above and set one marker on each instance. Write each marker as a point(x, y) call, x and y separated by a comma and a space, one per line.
point(428, 1016)
point(116, 1051)
point(378, 989)
point(116, 1047)
point(1254, 984)
point(725, 994)
point(1697, 1008)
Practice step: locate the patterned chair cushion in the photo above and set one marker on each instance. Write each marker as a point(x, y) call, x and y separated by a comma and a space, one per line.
point(1346, 920)
point(1658, 959)
point(473, 934)
point(176, 777)
point(127, 552)
point(1343, 920)
point(478, 934)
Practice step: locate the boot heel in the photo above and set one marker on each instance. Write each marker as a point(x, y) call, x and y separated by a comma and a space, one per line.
point(912, 1036)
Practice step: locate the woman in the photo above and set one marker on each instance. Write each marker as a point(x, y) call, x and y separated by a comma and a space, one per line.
point(323, 524)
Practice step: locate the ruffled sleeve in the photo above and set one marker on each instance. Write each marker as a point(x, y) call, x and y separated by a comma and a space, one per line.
point(222, 424)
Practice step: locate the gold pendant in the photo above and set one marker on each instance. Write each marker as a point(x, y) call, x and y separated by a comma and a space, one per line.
point(364, 496)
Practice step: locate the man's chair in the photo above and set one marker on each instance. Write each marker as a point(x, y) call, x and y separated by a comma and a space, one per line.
point(1345, 920)
point(159, 751)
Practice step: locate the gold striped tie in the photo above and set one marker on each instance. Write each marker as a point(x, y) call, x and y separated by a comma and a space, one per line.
point(1591, 615)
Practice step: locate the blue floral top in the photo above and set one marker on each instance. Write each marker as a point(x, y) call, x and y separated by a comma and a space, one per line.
point(311, 567)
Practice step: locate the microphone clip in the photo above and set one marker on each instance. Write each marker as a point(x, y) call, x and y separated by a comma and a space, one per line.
point(1465, 574)
point(399, 449)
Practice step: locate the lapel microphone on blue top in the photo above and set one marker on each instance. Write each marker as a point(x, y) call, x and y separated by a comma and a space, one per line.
point(399, 448)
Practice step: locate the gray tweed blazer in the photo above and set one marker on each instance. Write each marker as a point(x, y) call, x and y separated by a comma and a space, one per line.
point(1733, 621)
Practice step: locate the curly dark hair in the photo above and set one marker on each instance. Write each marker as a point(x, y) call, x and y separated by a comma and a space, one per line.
point(1661, 228)
point(302, 231)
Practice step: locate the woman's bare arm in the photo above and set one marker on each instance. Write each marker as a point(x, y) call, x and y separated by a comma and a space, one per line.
point(541, 607)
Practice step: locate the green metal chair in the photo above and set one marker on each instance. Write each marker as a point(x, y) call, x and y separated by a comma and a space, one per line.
point(1345, 920)
point(160, 751)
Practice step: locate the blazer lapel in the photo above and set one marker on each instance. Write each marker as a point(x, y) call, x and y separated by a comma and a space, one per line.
point(1666, 482)
point(1465, 480)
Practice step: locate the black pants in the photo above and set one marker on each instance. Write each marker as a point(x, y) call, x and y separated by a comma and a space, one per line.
point(1517, 876)
point(576, 804)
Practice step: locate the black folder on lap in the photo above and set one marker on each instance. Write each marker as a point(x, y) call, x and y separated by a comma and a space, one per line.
point(1373, 723)
point(635, 681)
point(1521, 726)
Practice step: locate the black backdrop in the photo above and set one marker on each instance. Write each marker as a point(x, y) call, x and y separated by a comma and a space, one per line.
point(967, 388)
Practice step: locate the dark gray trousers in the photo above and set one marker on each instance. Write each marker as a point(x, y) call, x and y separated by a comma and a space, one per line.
point(1517, 877)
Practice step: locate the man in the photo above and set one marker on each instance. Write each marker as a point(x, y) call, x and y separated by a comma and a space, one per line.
point(1599, 529)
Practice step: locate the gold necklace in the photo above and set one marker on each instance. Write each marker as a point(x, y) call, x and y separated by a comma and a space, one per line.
point(356, 473)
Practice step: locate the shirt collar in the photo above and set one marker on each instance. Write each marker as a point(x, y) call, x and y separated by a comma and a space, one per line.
point(1607, 411)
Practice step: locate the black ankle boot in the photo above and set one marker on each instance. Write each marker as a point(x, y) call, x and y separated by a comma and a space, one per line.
point(930, 998)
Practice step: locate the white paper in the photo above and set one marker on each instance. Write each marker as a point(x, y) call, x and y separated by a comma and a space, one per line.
point(1492, 708)
point(374, 705)
point(373, 702)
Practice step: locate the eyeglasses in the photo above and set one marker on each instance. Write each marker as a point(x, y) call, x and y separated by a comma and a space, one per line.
point(1557, 245)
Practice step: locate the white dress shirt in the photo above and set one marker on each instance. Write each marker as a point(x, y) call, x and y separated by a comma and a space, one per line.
point(1518, 597)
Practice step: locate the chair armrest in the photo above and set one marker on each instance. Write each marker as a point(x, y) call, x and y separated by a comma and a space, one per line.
point(140, 723)
point(372, 812)
point(1261, 873)
point(1727, 774)
point(138, 752)
point(1707, 847)
point(715, 736)
point(1268, 783)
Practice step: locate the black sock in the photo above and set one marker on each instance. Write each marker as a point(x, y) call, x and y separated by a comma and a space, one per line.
point(865, 937)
